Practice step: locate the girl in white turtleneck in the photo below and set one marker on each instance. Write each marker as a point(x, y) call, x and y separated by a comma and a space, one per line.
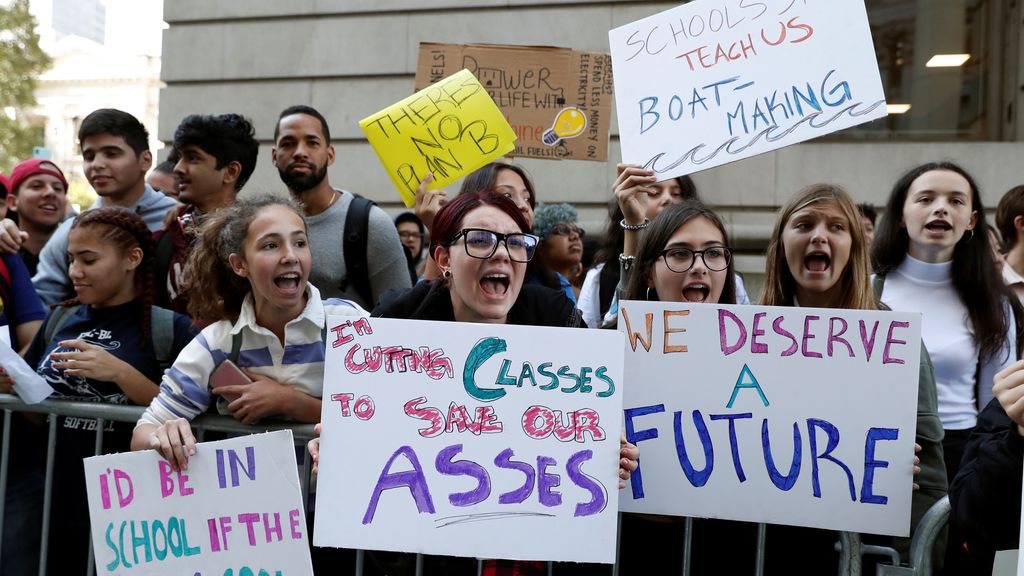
point(932, 254)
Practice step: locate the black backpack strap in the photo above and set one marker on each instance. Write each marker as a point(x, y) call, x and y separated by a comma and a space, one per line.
point(608, 280)
point(354, 244)
point(164, 252)
point(58, 318)
point(161, 330)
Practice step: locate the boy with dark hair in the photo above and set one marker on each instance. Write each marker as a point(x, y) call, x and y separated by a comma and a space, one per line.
point(1010, 222)
point(217, 156)
point(115, 148)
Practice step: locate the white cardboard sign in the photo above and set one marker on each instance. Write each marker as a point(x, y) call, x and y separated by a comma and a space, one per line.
point(714, 81)
point(236, 510)
point(796, 416)
point(479, 440)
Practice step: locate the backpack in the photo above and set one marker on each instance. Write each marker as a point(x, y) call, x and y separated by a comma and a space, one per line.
point(354, 246)
point(161, 330)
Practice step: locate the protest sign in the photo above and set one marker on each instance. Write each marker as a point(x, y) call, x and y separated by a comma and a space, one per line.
point(557, 100)
point(464, 439)
point(450, 129)
point(797, 416)
point(236, 510)
point(715, 81)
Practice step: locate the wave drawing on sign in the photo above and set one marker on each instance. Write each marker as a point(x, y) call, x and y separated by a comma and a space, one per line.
point(770, 134)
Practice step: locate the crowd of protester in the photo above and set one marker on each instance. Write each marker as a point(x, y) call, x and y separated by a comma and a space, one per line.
point(144, 298)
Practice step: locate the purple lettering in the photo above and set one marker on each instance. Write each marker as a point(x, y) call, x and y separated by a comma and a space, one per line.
point(741, 339)
point(808, 337)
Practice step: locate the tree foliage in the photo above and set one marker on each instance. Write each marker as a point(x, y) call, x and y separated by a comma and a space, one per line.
point(21, 63)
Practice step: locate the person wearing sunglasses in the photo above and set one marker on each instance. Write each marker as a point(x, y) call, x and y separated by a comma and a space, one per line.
point(561, 244)
point(481, 243)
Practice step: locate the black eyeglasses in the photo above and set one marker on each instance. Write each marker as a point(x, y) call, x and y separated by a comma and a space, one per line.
point(682, 259)
point(565, 229)
point(481, 243)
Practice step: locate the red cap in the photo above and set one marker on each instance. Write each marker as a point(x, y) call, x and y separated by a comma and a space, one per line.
point(29, 168)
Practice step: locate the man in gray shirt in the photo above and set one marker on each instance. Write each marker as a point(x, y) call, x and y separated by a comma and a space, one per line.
point(302, 152)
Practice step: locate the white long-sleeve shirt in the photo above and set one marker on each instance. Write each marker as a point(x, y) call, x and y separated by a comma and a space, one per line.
point(946, 331)
point(185, 389)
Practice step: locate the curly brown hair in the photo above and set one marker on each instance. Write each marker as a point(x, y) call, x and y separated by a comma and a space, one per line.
point(214, 291)
point(124, 229)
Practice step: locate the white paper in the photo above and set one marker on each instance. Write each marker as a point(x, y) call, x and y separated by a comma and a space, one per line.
point(714, 81)
point(554, 494)
point(237, 508)
point(1007, 563)
point(29, 385)
point(722, 375)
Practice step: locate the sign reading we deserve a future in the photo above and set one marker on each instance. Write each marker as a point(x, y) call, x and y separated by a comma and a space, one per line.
point(714, 81)
point(449, 129)
point(236, 510)
point(489, 441)
point(796, 416)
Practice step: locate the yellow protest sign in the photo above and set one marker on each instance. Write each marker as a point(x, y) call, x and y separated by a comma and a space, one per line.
point(449, 128)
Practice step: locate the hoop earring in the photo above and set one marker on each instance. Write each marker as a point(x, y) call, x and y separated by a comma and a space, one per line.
point(971, 237)
point(648, 292)
point(447, 274)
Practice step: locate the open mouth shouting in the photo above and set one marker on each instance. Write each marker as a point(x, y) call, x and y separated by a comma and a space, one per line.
point(289, 282)
point(696, 292)
point(938, 227)
point(495, 285)
point(817, 262)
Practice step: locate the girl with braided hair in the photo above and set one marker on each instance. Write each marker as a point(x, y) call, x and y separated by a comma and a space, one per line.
point(109, 344)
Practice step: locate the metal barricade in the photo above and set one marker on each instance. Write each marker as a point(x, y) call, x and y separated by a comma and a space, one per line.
point(851, 549)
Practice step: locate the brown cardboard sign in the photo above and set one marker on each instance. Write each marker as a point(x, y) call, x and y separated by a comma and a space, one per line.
point(558, 101)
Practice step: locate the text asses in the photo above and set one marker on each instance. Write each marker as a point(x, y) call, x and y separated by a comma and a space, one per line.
point(466, 431)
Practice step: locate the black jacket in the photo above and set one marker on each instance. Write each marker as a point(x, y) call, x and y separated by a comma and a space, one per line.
point(985, 495)
point(536, 306)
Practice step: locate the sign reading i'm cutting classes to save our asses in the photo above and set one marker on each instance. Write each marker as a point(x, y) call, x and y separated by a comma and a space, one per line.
point(473, 439)
point(782, 415)
point(714, 81)
point(235, 511)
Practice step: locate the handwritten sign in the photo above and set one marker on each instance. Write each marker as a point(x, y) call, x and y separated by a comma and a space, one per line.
point(557, 100)
point(715, 81)
point(797, 416)
point(450, 129)
point(236, 510)
point(473, 440)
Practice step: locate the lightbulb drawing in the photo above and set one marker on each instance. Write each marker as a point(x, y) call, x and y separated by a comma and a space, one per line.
point(569, 123)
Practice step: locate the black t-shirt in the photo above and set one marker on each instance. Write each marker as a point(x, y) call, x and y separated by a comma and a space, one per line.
point(118, 330)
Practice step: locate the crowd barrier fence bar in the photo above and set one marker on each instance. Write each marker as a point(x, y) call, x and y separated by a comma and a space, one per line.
point(850, 546)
